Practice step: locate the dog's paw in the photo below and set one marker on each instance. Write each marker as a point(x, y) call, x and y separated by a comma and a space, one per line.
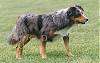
point(18, 58)
point(44, 57)
point(69, 54)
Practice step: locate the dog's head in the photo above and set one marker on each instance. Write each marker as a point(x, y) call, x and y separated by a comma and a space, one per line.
point(76, 13)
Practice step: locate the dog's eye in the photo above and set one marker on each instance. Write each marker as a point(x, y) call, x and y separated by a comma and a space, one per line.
point(78, 10)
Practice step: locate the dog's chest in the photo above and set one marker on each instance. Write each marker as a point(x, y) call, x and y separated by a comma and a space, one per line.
point(63, 32)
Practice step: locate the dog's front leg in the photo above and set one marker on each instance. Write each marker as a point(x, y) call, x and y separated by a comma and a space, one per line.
point(20, 45)
point(66, 44)
point(19, 50)
point(43, 46)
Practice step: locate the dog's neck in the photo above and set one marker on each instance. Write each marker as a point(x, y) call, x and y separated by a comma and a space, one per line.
point(63, 21)
point(65, 31)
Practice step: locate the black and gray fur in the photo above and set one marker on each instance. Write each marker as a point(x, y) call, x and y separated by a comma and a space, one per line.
point(33, 24)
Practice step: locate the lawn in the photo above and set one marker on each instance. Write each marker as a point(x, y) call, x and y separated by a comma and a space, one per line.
point(84, 39)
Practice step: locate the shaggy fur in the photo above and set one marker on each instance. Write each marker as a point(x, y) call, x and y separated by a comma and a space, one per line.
point(45, 24)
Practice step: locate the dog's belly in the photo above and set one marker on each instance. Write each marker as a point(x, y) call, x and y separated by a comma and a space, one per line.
point(63, 32)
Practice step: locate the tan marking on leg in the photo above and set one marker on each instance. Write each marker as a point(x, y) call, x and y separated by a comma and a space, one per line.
point(19, 52)
point(43, 48)
point(66, 44)
point(20, 45)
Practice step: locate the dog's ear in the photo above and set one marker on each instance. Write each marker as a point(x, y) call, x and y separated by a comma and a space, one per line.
point(71, 11)
point(79, 7)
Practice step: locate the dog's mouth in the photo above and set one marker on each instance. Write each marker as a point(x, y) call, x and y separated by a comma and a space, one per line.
point(83, 22)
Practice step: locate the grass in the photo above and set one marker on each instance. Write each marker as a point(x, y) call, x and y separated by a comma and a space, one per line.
point(84, 39)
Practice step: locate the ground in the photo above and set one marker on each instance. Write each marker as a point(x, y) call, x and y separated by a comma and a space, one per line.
point(84, 39)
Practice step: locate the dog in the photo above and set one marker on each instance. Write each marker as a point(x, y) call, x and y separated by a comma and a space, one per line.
point(44, 26)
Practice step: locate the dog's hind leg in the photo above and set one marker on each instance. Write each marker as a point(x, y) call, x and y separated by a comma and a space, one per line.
point(43, 46)
point(20, 45)
point(66, 44)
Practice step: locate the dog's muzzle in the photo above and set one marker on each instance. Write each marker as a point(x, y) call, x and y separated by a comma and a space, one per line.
point(85, 20)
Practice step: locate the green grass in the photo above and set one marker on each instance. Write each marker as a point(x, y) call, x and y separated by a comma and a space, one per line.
point(84, 39)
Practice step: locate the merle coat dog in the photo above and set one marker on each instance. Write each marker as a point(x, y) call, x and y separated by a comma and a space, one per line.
point(44, 27)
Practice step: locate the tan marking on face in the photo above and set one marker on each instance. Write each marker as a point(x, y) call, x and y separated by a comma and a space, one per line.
point(80, 18)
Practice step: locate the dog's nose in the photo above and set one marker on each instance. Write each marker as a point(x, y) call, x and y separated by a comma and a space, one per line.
point(86, 19)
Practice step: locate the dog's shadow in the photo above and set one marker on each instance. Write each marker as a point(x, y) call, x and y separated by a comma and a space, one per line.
point(50, 54)
point(56, 54)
